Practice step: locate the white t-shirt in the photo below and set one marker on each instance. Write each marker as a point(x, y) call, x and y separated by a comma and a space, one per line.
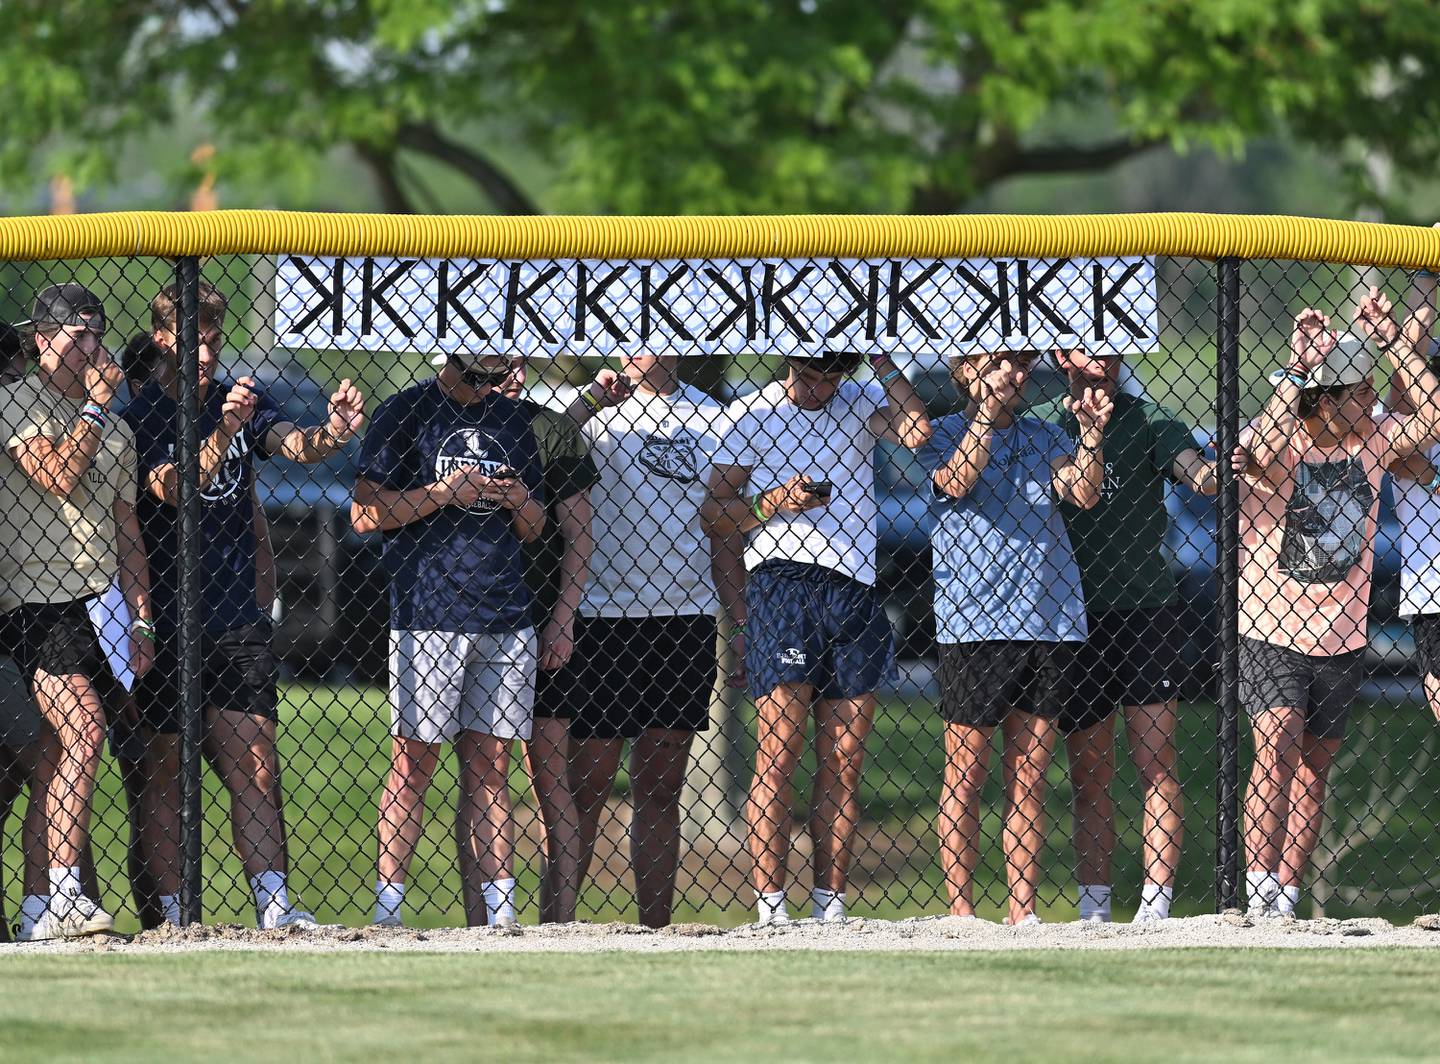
point(654, 454)
point(776, 440)
point(1418, 510)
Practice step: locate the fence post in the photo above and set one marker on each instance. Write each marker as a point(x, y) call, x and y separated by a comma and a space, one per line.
point(1227, 364)
point(187, 276)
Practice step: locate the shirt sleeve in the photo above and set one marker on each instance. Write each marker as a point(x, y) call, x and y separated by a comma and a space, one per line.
point(267, 415)
point(128, 488)
point(1169, 439)
point(385, 452)
point(1059, 444)
point(15, 421)
point(870, 399)
point(564, 457)
point(737, 442)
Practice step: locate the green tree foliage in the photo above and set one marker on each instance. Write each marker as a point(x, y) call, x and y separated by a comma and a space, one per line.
point(657, 106)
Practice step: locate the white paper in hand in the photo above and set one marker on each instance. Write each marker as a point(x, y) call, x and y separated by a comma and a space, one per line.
point(110, 615)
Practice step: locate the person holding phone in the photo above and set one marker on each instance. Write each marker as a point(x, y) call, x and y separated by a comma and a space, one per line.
point(795, 474)
point(450, 474)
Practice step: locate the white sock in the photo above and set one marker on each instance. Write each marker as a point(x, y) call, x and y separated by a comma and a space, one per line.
point(1262, 887)
point(1157, 899)
point(65, 881)
point(388, 899)
point(826, 904)
point(499, 899)
point(771, 905)
point(1288, 898)
point(170, 904)
point(1095, 902)
point(270, 892)
point(32, 908)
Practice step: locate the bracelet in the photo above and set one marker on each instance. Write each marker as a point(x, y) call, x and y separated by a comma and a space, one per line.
point(737, 627)
point(140, 626)
point(1294, 377)
point(96, 414)
point(590, 401)
point(1434, 485)
point(890, 377)
point(755, 507)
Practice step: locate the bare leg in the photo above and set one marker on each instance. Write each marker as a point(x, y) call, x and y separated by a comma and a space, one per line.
point(547, 759)
point(36, 766)
point(593, 765)
point(781, 717)
point(1091, 754)
point(162, 812)
point(1025, 760)
point(841, 727)
point(657, 778)
point(241, 748)
point(12, 782)
point(967, 763)
point(72, 707)
point(484, 815)
point(1307, 806)
point(402, 806)
point(1432, 694)
point(1151, 734)
point(133, 776)
point(1267, 804)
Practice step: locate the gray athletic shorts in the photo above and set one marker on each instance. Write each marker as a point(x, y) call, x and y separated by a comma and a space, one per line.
point(1323, 686)
point(20, 720)
point(443, 683)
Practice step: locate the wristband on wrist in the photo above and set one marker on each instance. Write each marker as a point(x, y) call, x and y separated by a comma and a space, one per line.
point(737, 627)
point(95, 414)
point(590, 400)
point(1434, 485)
point(1426, 273)
point(755, 507)
point(889, 377)
point(140, 626)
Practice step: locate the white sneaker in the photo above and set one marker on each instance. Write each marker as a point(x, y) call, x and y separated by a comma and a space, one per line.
point(276, 918)
point(1147, 915)
point(388, 920)
point(1028, 920)
point(778, 918)
point(505, 920)
point(80, 917)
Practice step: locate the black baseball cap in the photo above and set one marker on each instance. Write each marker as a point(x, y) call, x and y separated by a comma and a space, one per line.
point(831, 361)
point(67, 304)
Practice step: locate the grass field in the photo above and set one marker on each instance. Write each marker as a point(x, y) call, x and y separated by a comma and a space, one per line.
point(1170, 1005)
point(334, 741)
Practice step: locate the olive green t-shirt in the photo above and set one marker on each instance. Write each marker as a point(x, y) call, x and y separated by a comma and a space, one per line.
point(60, 550)
point(568, 469)
point(1118, 541)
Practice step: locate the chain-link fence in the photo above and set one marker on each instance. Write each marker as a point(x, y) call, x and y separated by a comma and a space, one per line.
point(891, 586)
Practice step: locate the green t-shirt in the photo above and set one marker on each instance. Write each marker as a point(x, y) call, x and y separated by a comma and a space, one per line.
point(1118, 541)
point(568, 470)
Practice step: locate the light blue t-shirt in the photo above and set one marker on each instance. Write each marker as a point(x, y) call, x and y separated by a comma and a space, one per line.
point(1004, 569)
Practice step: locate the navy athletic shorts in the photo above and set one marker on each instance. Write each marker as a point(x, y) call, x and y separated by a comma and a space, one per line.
point(812, 625)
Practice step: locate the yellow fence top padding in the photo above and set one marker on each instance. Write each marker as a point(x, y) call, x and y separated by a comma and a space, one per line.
point(1206, 236)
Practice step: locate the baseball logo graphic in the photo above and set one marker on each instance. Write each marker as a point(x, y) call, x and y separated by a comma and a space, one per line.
point(471, 448)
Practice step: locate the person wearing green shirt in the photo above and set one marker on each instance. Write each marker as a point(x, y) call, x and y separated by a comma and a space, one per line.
point(1131, 655)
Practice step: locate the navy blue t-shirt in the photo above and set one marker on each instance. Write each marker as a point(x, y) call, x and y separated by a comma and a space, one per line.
point(227, 509)
point(460, 569)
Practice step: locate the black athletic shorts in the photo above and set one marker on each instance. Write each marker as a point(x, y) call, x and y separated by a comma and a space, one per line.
point(1130, 659)
point(980, 683)
point(238, 674)
point(1324, 686)
point(1426, 627)
point(58, 638)
point(632, 673)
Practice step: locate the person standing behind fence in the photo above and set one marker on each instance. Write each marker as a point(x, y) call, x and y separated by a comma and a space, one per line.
point(1417, 508)
point(1131, 656)
point(645, 654)
point(239, 675)
point(1312, 465)
point(450, 473)
point(557, 566)
point(1009, 614)
point(796, 473)
point(69, 497)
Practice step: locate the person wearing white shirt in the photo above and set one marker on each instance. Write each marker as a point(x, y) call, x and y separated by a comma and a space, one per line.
point(795, 473)
point(645, 645)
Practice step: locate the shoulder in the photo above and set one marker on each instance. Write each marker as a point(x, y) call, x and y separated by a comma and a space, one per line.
point(754, 404)
point(1051, 410)
point(406, 400)
point(20, 403)
point(1038, 428)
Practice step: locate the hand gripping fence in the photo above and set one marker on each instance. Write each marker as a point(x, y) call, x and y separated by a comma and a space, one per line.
point(447, 570)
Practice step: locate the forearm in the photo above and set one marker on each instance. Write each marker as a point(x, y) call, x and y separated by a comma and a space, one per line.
point(58, 467)
point(574, 520)
point(134, 577)
point(528, 521)
point(1080, 481)
point(581, 409)
point(959, 475)
point(905, 416)
point(384, 510)
point(727, 569)
point(1278, 423)
point(308, 446)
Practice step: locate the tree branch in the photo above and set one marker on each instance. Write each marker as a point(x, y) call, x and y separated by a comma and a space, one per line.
point(385, 168)
point(503, 192)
